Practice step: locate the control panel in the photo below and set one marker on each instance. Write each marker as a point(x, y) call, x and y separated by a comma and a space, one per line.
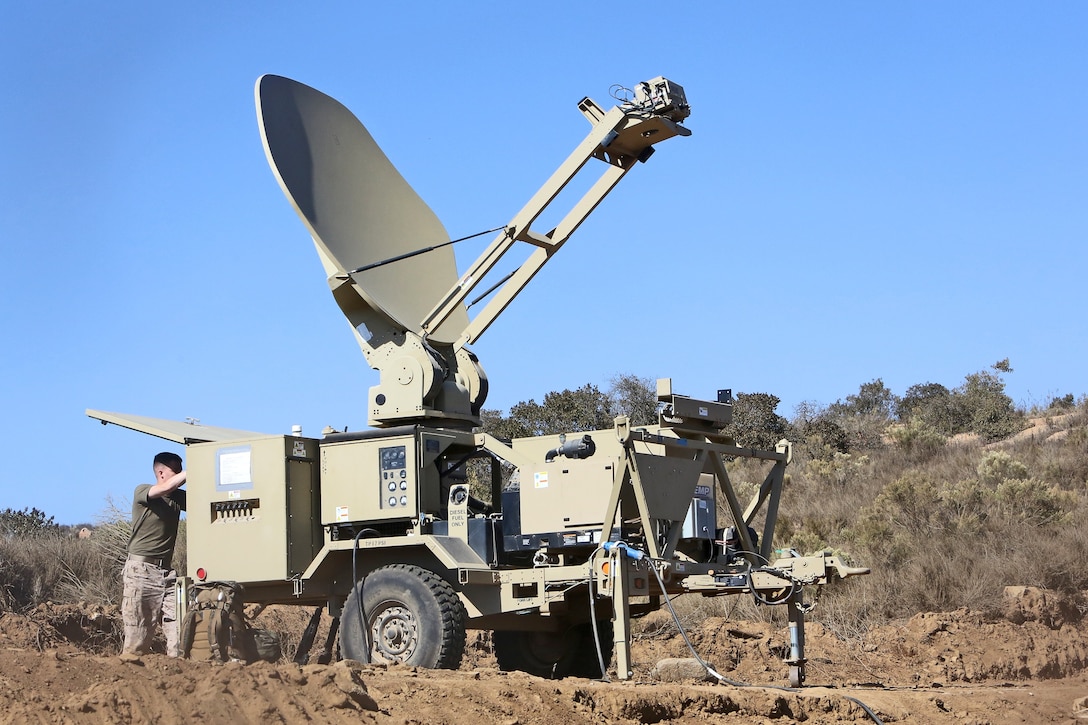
point(395, 493)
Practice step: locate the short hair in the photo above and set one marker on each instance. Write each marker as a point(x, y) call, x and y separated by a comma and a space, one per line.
point(168, 459)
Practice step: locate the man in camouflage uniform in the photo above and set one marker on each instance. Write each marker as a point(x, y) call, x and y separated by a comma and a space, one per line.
point(148, 574)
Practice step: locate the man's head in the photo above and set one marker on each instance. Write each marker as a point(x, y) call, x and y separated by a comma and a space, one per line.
point(166, 465)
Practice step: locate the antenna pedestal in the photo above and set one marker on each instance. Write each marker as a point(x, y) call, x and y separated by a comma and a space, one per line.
point(420, 382)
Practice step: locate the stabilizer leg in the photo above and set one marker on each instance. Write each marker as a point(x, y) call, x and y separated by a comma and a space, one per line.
point(796, 660)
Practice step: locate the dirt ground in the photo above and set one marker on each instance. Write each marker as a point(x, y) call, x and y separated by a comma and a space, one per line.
point(59, 664)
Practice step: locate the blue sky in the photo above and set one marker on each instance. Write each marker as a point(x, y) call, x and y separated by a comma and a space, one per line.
point(893, 190)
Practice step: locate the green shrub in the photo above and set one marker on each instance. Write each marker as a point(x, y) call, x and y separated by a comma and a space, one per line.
point(26, 522)
point(912, 502)
point(917, 438)
point(1032, 502)
point(997, 466)
point(866, 415)
point(840, 469)
point(979, 405)
point(934, 406)
point(1063, 404)
point(991, 411)
point(634, 397)
point(755, 422)
point(968, 505)
point(873, 399)
point(815, 432)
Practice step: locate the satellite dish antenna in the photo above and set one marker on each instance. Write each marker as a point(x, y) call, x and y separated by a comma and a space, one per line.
point(360, 211)
point(387, 256)
point(357, 206)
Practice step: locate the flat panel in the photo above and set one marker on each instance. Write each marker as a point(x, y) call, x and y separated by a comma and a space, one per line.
point(172, 430)
point(566, 494)
point(304, 537)
point(369, 480)
point(669, 484)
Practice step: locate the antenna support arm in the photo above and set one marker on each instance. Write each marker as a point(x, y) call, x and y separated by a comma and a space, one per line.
point(620, 137)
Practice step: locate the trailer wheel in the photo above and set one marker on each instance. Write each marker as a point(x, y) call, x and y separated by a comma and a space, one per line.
point(413, 616)
point(797, 675)
point(572, 653)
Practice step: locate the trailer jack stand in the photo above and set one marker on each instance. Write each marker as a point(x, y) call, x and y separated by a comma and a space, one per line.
point(621, 618)
point(796, 659)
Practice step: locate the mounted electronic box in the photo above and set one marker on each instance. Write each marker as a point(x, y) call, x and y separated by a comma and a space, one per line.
point(579, 532)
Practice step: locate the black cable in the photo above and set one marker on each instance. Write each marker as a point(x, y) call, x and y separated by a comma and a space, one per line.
point(625, 97)
point(616, 91)
point(590, 583)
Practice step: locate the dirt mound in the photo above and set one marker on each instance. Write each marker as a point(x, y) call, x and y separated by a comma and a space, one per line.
point(1042, 638)
point(962, 647)
point(1031, 604)
point(78, 688)
point(59, 664)
point(95, 629)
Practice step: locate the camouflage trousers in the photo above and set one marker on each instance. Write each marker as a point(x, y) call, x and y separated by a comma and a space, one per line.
point(148, 600)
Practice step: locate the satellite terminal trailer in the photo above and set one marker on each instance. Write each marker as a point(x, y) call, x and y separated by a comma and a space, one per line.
point(582, 531)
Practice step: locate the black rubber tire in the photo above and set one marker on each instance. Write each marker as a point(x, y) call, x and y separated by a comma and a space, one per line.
point(414, 617)
point(571, 653)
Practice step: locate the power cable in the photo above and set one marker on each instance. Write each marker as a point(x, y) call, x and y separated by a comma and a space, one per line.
point(590, 585)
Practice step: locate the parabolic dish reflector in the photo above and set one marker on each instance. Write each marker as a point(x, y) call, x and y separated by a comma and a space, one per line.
point(357, 206)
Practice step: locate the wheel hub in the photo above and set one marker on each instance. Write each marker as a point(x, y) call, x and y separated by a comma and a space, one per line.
point(394, 634)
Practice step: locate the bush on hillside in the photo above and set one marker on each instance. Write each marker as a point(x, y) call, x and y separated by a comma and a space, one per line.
point(934, 406)
point(980, 405)
point(755, 422)
point(865, 415)
point(992, 414)
point(815, 433)
point(917, 439)
point(27, 522)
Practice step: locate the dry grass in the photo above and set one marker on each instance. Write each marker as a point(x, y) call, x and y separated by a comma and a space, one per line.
point(50, 568)
point(947, 528)
point(60, 567)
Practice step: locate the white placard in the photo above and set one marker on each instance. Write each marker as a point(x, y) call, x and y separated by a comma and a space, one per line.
point(234, 468)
